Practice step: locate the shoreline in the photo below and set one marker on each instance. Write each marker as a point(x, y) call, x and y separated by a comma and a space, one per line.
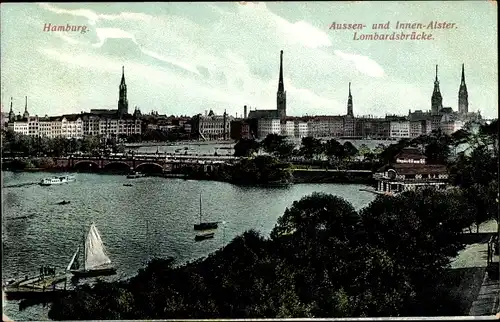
point(168, 175)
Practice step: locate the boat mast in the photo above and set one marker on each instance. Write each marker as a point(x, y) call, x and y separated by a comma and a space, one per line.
point(200, 207)
point(84, 251)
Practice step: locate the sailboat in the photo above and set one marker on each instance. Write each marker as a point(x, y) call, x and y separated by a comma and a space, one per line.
point(95, 260)
point(205, 225)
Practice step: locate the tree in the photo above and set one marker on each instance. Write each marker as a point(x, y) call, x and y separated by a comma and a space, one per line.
point(334, 150)
point(437, 149)
point(272, 142)
point(245, 147)
point(89, 144)
point(350, 149)
point(364, 150)
point(311, 147)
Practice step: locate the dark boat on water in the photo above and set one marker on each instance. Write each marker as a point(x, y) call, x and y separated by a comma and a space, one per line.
point(95, 261)
point(204, 236)
point(205, 225)
point(64, 202)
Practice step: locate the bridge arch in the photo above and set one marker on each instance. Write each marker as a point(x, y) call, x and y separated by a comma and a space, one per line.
point(120, 166)
point(149, 167)
point(86, 165)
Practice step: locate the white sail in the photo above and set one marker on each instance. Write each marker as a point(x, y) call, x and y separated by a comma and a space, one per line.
point(94, 250)
point(73, 259)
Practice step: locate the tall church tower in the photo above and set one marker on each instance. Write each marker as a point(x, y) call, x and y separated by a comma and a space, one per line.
point(122, 101)
point(349, 103)
point(437, 99)
point(12, 116)
point(281, 94)
point(26, 114)
point(463, 96)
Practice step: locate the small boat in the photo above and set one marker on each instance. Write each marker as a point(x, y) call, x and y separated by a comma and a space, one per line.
point(56, 180)
point(127, 184)
point(64, 202)
point(95, 260)
point(135, 175)
point(205, 225)
point(204, 236)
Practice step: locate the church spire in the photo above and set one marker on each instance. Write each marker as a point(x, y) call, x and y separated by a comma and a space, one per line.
point(463, 96)
point(437, 99)
point(281, 86)
point(281, 94)
point(123, 76)
point(463, 75)
point(349, 102)
point(12, 116)
point(122, 96)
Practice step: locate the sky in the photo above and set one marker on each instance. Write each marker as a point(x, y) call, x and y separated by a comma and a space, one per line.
point(185, 58)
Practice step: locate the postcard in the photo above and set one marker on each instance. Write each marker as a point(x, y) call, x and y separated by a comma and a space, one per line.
point(249, 160)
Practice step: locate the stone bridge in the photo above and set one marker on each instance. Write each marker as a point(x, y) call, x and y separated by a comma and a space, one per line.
point(158, 163)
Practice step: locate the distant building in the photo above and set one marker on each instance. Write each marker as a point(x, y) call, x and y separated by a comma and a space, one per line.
point(268, 126)
point(399, 129)
point(410, 172)
point(212, 127)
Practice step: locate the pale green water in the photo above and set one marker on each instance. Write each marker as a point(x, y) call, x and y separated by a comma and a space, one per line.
point(166, 208)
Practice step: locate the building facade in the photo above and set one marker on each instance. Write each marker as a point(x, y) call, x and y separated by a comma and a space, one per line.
point(410, 172)
point(212, 127)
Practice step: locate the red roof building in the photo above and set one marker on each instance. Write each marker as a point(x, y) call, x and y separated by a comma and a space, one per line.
point(410, 172)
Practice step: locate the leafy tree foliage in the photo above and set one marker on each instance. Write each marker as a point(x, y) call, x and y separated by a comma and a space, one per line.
point(245, 147)
point(311, 147)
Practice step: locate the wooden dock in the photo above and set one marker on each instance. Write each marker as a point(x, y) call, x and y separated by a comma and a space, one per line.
point(35, 287)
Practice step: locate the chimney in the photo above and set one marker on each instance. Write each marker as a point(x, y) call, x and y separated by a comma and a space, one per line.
point(206, 113)
point(245, 111)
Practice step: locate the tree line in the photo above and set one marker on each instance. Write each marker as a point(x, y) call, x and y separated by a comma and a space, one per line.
point(17, 144)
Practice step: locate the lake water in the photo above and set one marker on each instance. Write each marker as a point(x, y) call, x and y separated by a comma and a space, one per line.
point(154, 217)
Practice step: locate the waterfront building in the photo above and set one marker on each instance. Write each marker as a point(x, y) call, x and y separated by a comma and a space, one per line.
point(266, 126)
point(417, 128)
point(326, 126)
point(349, 126)
point(300, 129)
point(19, 126)
point(410, 172)
point(240, 129)
point(399, 129)
point(212, 127)
point(288, 128)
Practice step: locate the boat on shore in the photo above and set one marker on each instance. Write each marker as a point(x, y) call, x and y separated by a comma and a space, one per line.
point(56, 180)
point(204, 236)
point(205, 225)
point(95, 261)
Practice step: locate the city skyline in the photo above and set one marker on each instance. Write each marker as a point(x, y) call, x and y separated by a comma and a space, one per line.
point(185, 71)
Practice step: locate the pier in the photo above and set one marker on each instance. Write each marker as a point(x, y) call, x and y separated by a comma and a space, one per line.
point(40, 286)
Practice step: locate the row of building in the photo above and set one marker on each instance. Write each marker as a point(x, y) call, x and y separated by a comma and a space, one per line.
point(254, 123)
point(259, 123)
